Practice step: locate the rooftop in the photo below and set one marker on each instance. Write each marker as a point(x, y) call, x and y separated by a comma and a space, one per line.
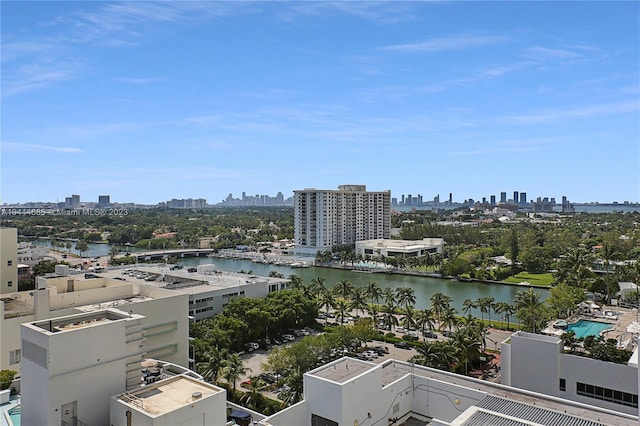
point(169, 395)
point(342, 369)
point(205, 280)
point(74, 322)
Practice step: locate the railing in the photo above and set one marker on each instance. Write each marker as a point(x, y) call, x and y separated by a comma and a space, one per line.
point(132, 399)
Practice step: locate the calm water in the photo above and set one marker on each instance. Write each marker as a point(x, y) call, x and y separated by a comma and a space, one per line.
point(424, 287)
point(584, 328)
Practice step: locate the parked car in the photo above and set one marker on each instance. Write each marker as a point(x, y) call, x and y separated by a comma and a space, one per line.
point(402, 345)
point(253, 345)
point(430, 335)
point(288, 337)
point(447, 333)
point(400, 329)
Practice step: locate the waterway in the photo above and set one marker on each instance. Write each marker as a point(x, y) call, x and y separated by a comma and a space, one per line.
point(424, 287)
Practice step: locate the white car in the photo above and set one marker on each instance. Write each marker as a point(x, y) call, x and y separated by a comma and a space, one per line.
point(288, 337)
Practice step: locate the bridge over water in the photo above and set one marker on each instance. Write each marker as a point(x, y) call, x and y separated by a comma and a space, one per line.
point(164, 254)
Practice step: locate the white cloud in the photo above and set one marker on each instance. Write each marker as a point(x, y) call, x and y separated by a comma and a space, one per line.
point(26, 147)
point(456, 42)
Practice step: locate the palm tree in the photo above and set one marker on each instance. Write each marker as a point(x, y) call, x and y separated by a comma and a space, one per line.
point(327, 300)
point(358, 300)
point(373, 311)
point(467, 343)
point(439, 302)
point(374, 292)
point(482, 304)
point(425, 319)
point(449, 318)
point(344, 289)
point(389, 319)
point(253, 397)
point(528, 307)
point(341, 308)
point(406, 297)
point(508, 310)
point(318, 284)
point(468, 305)
point(233, 368)
point(389, 296)
point(440, 355)
point(210, 369)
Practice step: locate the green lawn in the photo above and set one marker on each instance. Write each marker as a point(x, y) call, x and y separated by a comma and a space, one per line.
point(536, 279)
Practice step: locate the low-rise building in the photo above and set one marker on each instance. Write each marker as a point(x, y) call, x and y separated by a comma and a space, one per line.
point(73, 364)
point(353, 392)
point(208, 289)
point(165, 312)
point(538, 363)
point(395, 248)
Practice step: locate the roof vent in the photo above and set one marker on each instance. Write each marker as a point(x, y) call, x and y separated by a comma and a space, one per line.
point(196, 395)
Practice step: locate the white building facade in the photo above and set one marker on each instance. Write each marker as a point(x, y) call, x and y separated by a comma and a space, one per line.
point(395, 248)
point(325, 219)
point(538, 363)
point(352, 392)
point(73, 364)
point(166, 319)
point(8, 260)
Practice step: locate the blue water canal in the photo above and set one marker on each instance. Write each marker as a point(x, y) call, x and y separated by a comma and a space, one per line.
point(424, 287)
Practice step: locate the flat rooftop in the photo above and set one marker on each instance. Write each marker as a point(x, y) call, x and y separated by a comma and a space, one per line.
point(343, 370)
point(191, 282)
point(74, 322)
point(169, 395)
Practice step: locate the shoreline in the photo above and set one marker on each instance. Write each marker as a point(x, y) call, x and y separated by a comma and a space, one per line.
point(396, 271)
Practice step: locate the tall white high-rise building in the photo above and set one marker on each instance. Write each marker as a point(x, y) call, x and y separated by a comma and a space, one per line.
point(331, 218)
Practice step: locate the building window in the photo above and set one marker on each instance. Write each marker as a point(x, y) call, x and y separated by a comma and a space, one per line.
point(9, 262)
point(9, 283)
point(14, 356)
point(610, 395)
point(563, 385)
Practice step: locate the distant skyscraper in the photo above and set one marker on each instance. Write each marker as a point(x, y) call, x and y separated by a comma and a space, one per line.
point(75, 199)
point(450, 199)
point(523, 198)
point(493, 200)
point(515, 197)
point(503, 197)
point(436, 200)
point(484, 200)
point(104, 200)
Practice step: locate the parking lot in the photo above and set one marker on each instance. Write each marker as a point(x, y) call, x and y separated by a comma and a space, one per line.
point(255, 359)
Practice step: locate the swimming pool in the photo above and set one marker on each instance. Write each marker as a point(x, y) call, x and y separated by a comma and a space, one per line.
point(584, 328)
point(14, 415)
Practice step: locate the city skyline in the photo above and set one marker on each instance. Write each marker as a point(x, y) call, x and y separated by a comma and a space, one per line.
point(148, 102)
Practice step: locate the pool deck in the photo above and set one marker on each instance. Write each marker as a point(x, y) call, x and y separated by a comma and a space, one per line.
point(4, 408)
point(619, 323)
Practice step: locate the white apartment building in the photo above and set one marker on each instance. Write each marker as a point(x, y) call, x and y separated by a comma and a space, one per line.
point(166, 321)
point(538, 363)
point(8, 260)
point(395, 248)
point(73, 364)
point(209, 290)
point(349, 392)
point(325, 219)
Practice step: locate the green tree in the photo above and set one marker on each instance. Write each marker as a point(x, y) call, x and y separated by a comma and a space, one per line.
point(531, 312)
point(564, 298)
point(6, 378)
point(232, 368)
point(358, 300)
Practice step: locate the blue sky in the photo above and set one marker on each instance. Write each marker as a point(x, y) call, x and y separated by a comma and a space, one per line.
point(152, 101)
